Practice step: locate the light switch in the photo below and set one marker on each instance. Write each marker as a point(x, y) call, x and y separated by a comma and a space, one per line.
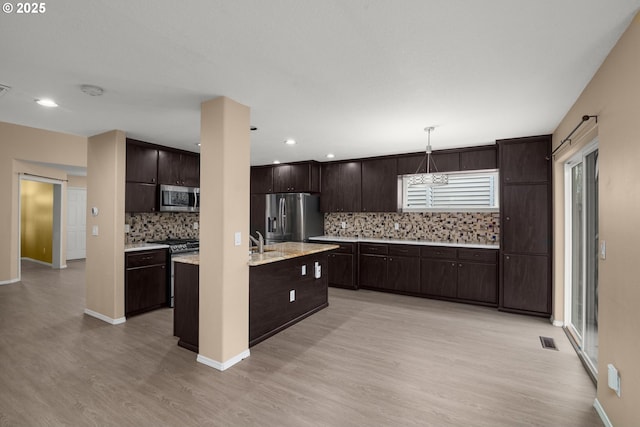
point(318, 270)
point(603, 249)
point(292, 295)
point(343, 224)
point(238, 238)
point(304, 270)
point(94, 230)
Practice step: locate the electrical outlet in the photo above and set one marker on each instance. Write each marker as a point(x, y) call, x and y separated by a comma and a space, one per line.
point(396, 226)
point(343, 225)
point(603, 249)
point(94, 230)
point(318, 270)
point(238, 238)
point(196, 225)
point(292, 295)
point(304, 270)
point(127, 228)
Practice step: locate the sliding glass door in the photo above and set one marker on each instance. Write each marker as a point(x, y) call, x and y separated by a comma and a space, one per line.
point(581, 201)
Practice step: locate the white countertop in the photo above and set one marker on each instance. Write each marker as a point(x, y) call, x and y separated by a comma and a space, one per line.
point(402, 242)
point(143, 247)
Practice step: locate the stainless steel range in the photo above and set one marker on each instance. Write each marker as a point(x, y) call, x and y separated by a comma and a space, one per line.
point(178, 247)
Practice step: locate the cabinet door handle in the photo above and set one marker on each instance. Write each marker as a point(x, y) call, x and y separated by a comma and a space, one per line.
point(459, 265)
point(508, 257)
point(453, 264)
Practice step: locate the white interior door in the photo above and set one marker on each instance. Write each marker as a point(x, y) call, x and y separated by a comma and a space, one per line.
point(76, 223)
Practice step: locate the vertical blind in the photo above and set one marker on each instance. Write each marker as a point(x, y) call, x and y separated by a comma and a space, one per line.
point(465, 191)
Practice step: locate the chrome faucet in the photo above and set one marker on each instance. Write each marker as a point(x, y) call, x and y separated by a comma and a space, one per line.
point(259, 241)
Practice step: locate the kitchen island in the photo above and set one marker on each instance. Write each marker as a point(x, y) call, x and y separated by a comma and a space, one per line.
point(287, 283)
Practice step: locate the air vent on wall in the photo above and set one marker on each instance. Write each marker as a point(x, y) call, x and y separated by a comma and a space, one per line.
point(4, 89)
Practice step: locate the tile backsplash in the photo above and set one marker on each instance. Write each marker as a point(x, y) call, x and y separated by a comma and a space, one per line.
point(454, 227)
point(160, 225)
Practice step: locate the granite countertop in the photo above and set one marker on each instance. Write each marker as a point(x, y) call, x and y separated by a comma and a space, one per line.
point(404, 242)
point(273, 253)
point(143, 247)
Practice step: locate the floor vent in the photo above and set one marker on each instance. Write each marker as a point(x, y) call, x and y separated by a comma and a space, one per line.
point(548, 343)
point(4, 89)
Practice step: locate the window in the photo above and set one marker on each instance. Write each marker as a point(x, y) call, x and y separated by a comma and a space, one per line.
point(465, 191)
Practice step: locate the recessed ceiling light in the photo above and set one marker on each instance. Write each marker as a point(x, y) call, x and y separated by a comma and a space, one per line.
point(46, 102)
point(92, 90)
point(276, 162)
point(290, 141)
point(330, 156)
point(198, 144)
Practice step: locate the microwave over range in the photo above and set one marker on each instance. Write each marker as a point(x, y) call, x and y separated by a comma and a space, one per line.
point(174, 198)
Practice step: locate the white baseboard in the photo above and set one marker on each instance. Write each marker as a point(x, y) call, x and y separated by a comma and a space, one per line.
point(105, 318)
point(603, 415)
point(37, 261)
point(221, 366)
point(10, 281)
point(557, 323)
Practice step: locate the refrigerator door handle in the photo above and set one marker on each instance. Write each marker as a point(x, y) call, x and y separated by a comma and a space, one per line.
point(283, 214)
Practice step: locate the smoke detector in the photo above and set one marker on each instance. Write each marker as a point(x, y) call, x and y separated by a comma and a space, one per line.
point(4, 89)
point(92, 90)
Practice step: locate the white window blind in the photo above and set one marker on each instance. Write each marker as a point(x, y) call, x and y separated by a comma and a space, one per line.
point(466, 191)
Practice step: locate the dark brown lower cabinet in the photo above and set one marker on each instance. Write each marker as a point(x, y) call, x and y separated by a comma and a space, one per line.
point(477, 282)
point(342, 266)
point(373, 271)
point(439, 278)
point(466, 275)
point(403, 274)
point(146, 283)
point(186, 309)
point(273, 286)
point(525, 284)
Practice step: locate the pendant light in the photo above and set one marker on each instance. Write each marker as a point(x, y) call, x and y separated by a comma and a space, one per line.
point(429, 178)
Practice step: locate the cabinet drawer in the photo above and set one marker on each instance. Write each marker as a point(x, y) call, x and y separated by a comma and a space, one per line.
point(404, 250)
point(142, 258)
point(438, 252)
point(485, 255)
point(371, 248)
point(345, 248)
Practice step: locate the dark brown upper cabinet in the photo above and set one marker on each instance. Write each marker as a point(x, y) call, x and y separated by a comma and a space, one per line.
point(262, 179)
point(177, 168)
point(415, 163)
point(444, 161)
point(297, 177)
point(478, 159)
point(142, 163)
point(525, 160)
point(341, 187)
point(380, 185)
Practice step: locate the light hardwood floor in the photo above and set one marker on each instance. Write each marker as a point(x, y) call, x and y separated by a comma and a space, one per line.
point(369, 359)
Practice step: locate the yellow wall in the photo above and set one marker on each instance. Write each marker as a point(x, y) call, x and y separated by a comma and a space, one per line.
point(18, 146)
point(614, 95)
point(36, 220)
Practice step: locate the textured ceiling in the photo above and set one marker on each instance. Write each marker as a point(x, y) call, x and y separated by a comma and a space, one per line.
point(356, 78)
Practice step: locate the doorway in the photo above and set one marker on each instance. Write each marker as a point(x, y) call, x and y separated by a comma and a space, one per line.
point(40, 217)
point(76, 223)
point(581, 258)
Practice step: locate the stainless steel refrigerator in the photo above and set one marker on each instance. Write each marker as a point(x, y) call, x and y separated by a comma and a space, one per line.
point(291, 217)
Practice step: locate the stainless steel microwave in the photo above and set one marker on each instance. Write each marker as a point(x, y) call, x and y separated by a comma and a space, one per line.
point(175, 198)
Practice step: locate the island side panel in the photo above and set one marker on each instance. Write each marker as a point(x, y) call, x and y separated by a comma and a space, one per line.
point(186, 302)
point(270, 286)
